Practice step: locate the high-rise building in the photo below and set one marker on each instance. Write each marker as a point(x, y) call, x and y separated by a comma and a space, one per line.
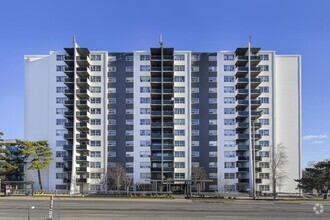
point(163, 112)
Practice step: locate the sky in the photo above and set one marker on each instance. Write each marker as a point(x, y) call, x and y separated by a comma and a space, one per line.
point(287, 26)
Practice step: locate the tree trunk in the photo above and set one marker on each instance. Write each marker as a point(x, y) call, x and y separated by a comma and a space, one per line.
point(274, 189)
point(39, 178)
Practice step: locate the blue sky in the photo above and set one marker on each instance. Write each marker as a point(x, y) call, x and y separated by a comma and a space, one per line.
point(289, 27)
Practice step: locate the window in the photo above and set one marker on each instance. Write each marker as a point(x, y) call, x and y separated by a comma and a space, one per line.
point(229, 143)
point(112, 143)
point(129, 69)
point(95, 175)
point(96, 132)
point(264, 153)
point(179, 100)
point(60, 164)
point(264, 164)
point(144, 111)
point(112, 132)
point(229, 121)
point(228, 78)
point(264, 132)
point(228, 57)
point(144, 57)
point(60, 78)
point(229, 175)
point(145, 89)
point(195, 57)
point(146, 176)
point(95, 153)
point(213, 132)
point(212, 68)
point(264, 176)
point(97, 68)
point(112, 153)
point(60, 89)
point(194, 68)
point(194, 79)
point(129, 143)
point(213, 143)
point(95, 89)
point(129, 111)
point(144, 78)
point(144, 100)
point(61, 100)
point(180, 176)
point(212, 100)
point(179, 153)
point(179, 79)
point(112, 58)
point(60, 175)
point(195, 153)
point(129, 121)
point(195, 121)
point(96, 111)
point(179, 57)
point(112, 90)
point(228, 68)
point(264, 67)
point(229, 100)
point(129, 79)
point(129, 90)
point(264, 100)
point(212, 111)
point(194, 111)
point(194, 100)
point(60, 121)
point(212, 164)
point(212, 58)
point(264, 57)
point(179, 111)
point(144, 153)
point(129, 132)
point(145, 143)
point(60, 57)
point(212, 79)
point(178, 89)
point(179, 164)
point(144, 121)
point(60, 153)
point(60, 111)
point(95, 164)
point(264, 111)
point(95, 121)
point(60, 68)
point(129, 58)
point(145, 68)
point(195, 164)
point(95, 78)
point(60, 143)
point(145, 164)
point(264, 187)
point(96, 100)
point(229, 164)
point(194, 90)
point(96, 57)
point(229, 89)
point(145, 132)
point(112, 79)
point(229, 111)
point(195, 133)
point(179, 68)
point(264, 143)
point(95, 143)
point(230, 154)
point(60, 132)
point(213, 154)
point(229, 132)
point(179, 143)
point(179, 132)
point(264, 78)
point(179, 121)
point(264, 121)
point(264, 89)
point(195, 143)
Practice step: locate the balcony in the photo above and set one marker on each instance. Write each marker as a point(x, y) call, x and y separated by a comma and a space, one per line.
point(241, 115)
point(69, 71)
point(67, 158)
point(243, 158)
point(84, 115)
point(242, 147)
point(83, 126)
point(69, 93)
point(241, 60)
point(241, 71)
point(83, 169)
point(69, 82)
point(83, 83)
point(165, 69)
point(83, 180)
point(243, 180)
point(241, 93)
point(243, 169)
point(83, 104)
point(158, 58)
point(67, 169)
point(258, 180)
point(69, 60)
point(82, 158)
point(241, 83)
point(168, 158)
point(255, 104)
point(255, 115)
point(83, 72)
point(69, 104)
point(255, 93)
point(68, 125)
point(83, 147)
point(165, 102)
point(159, 80)
point(83, 60)
point(242, 126)
point(82, 137)
point(159, 91)
point(156, 158)
point(258, 158)
point(156, 169)
point(83, 93)
point(67, 147)
point(68, 136)
point(164, 124)
point(242, 137)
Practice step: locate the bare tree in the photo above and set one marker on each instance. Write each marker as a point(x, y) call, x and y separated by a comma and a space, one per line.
point(198, 174)
point(279, 160)
point(118, 177)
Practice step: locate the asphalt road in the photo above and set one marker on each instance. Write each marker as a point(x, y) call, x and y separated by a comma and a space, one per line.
point(157, 209)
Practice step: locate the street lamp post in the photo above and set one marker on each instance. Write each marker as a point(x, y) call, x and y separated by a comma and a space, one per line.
point(30, 207)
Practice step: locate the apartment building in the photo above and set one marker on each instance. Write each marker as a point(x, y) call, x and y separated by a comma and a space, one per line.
point(162, 112)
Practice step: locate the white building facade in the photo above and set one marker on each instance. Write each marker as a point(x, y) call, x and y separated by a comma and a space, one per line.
point(162, 112)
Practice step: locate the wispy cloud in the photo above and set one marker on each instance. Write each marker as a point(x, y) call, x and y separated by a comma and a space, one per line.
point(315, 137)
point(317, 142)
